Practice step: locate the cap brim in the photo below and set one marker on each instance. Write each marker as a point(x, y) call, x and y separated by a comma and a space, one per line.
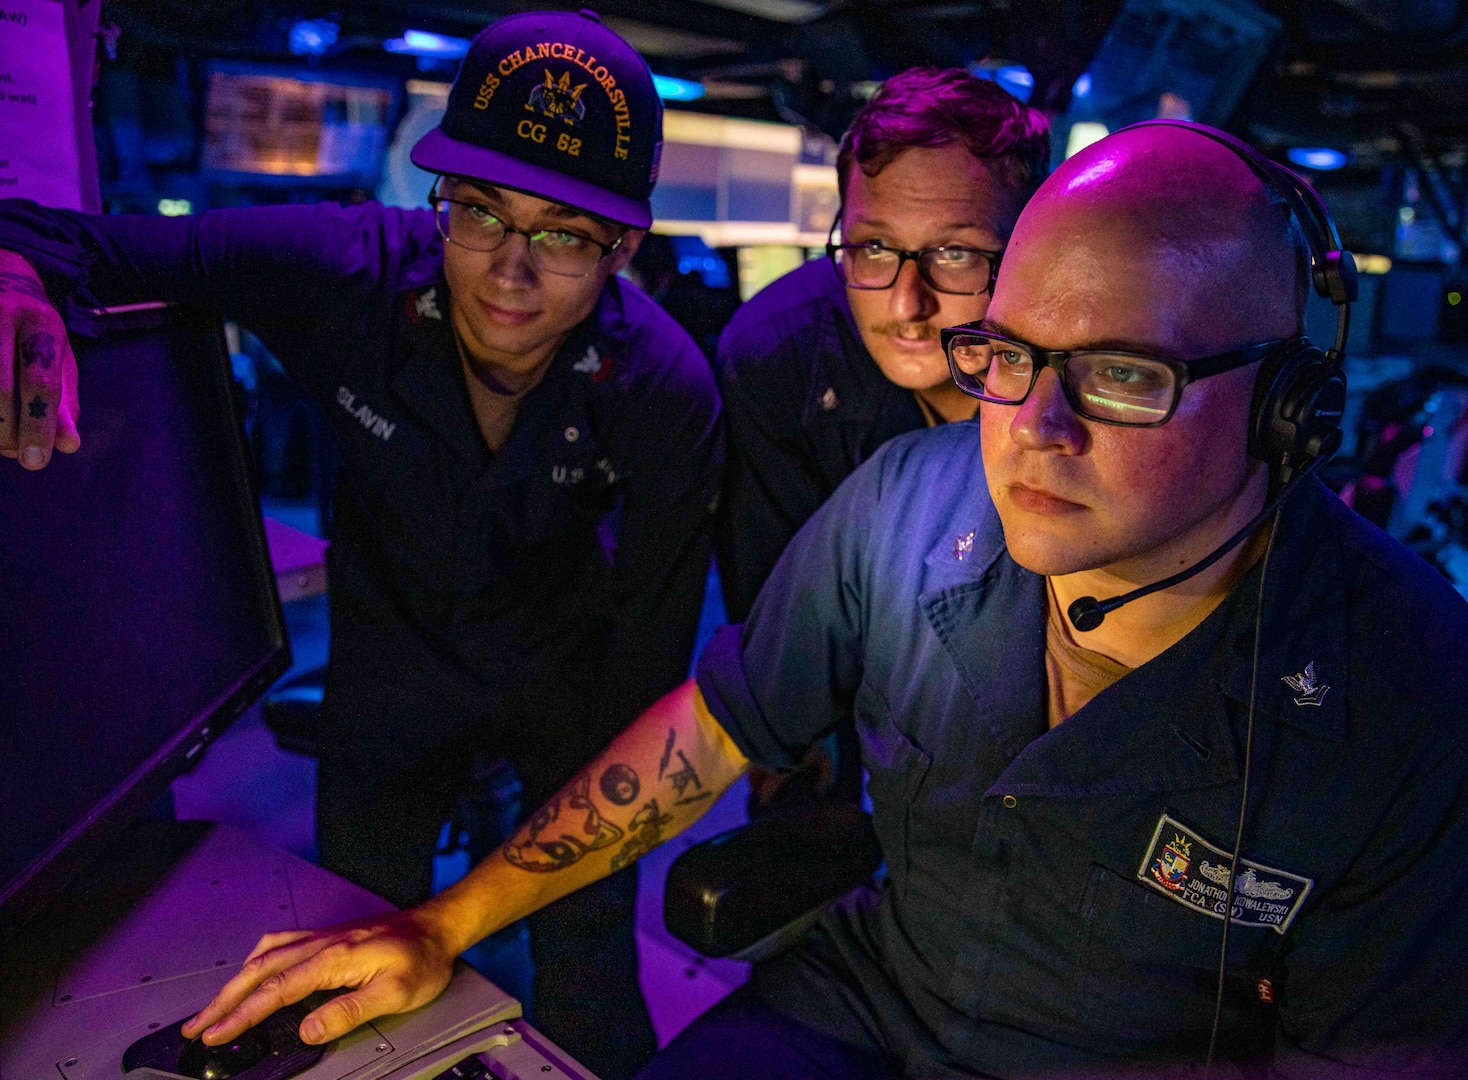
point(438, 153)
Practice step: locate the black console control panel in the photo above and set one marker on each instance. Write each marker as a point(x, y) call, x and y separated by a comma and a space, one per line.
point(471, 1068)
point(270, 1051)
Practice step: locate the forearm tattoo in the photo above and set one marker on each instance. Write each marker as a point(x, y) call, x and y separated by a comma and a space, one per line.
point(646, 829)
point(619, 784)
point(562, 832)
point(683, 778)
point(39, 348)
point(10, 281)
point(569, 827)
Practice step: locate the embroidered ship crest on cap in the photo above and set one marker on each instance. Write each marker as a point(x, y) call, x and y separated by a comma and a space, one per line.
point(558, 100)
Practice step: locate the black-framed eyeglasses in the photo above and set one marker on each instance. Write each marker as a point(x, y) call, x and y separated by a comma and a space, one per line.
point(951, 268)
point(1110, 386)
point(476, 226)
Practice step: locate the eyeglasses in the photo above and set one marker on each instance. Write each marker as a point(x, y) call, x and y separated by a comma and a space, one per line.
point(1109, 386)
point(475, 226)
point(952, 268)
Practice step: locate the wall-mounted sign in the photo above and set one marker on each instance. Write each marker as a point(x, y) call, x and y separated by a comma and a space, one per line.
point(38, 126)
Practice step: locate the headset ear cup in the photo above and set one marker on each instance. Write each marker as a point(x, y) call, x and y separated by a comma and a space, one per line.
point(1274, 371)
point(1298, 400)
point(1315, 406)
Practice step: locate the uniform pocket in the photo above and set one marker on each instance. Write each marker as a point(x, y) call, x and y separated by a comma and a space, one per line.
point(1148, 970)
point(895, 772)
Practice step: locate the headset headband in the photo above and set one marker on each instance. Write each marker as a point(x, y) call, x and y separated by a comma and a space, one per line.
point(1332, 268)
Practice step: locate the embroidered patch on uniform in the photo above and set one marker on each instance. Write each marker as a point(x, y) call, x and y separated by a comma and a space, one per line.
point(1182, 865)
point(373, 421)
point(1311, 690)
point(1264, 990)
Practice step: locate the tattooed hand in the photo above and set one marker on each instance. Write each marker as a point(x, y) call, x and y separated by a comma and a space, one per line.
point(25, 284)
point(38, 378)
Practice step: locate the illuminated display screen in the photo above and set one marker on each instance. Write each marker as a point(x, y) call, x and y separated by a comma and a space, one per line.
point(281, 125)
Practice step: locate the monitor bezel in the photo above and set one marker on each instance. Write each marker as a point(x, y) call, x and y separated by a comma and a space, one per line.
point(26, 894)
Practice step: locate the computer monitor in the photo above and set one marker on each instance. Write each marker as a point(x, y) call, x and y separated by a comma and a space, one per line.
point(266, 124)
point(140, 615)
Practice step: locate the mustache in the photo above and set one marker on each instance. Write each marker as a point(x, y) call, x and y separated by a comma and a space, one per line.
point(913, 331)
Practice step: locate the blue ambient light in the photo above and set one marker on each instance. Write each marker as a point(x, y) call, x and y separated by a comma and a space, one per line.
point(1316, 157)
point(671, 89)
point(312, 37)
point(424, 43)
point(1015, 78)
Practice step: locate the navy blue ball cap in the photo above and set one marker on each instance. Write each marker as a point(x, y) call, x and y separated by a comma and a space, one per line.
point(557, 106)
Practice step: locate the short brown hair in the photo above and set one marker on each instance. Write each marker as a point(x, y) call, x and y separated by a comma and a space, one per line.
point(931, 107)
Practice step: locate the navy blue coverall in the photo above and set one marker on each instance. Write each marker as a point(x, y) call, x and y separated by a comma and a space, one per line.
point(805, 405)
point(529, 602)
point(1053, 899)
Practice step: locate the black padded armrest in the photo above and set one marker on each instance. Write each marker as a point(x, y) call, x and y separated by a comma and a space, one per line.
point(750, 891)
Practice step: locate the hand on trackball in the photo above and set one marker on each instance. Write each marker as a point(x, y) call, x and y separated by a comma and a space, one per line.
point(38, 399)
point(396, 963)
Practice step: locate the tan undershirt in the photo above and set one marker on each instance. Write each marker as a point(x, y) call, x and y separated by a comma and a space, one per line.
point(930, 414)
point(964, 408)
point(1073, 675)
point(495, 412)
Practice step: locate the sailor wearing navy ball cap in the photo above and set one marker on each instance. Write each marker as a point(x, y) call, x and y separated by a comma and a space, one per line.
point(531, 455)
point(556, 106)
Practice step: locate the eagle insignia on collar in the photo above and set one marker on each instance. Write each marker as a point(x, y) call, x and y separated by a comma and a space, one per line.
point(1311, 690)
point(593, 365)
point(426, 304)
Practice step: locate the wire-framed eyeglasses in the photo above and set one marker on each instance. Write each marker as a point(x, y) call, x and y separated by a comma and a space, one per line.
point(950, 268)
point(478, 227)
point(1110, 386)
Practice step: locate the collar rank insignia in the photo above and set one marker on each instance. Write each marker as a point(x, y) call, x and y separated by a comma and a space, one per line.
point(1311, 690)
point(829, 401)
point(423, 304)
point(963, 546)
point(1184, 867)
point(593, 364)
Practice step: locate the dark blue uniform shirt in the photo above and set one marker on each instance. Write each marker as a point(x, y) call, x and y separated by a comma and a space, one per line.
point(1052, 900)
point(583, 541)
point(806, 404)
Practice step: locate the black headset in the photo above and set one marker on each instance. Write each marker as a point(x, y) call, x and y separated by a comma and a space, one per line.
point(1294, 427)
point(1300, 392)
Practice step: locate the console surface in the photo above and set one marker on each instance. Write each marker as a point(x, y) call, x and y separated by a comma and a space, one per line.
point(149, 935)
